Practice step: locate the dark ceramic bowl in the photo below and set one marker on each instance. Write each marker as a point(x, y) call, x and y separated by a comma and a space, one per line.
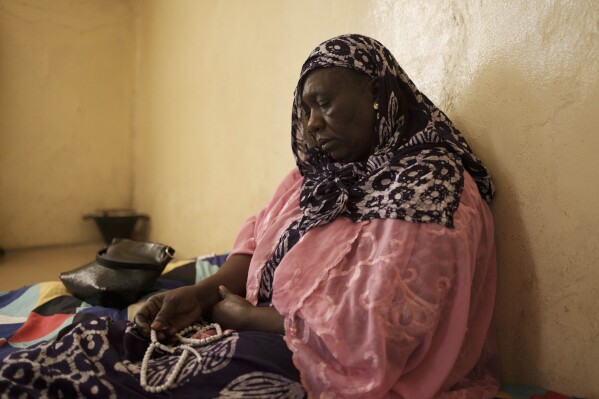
point(116, 223)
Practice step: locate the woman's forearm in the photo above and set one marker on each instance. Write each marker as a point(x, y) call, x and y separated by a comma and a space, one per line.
point(265, 319)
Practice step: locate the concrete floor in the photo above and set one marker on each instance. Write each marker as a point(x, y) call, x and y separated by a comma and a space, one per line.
point(29, 266)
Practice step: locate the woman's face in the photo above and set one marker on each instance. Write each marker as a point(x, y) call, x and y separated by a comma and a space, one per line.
point(339, 113)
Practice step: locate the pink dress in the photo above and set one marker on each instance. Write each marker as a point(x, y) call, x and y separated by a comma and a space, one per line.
point(383, 308)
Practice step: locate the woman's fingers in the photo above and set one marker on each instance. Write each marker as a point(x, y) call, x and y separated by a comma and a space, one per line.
point(162, 320)
point(146, 314)
point(141, 318)
point(167, 313)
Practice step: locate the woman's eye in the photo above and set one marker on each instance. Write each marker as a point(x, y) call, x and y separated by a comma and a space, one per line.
point(323, 103)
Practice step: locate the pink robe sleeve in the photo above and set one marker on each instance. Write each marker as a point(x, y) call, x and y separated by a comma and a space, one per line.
point(254, 227)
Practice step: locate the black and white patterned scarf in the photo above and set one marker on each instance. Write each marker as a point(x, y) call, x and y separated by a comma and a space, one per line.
point(416, 172)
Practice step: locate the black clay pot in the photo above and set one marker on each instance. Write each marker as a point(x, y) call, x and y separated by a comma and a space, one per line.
point(116, 223)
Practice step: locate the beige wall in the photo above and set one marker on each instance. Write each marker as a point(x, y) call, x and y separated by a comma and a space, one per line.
point(66, 103)
point(212, 102)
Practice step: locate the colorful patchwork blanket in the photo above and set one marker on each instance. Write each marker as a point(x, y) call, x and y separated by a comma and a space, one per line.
point(38, 313)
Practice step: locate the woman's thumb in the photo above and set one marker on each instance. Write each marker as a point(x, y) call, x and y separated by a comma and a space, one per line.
point(223, 291)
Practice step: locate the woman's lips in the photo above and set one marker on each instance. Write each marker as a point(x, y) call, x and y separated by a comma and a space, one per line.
point(326, 145)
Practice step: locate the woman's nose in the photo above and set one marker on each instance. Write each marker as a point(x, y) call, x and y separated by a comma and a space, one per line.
point(315, 122)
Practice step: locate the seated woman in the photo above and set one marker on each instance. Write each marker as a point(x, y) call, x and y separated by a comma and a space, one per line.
point(370, 273)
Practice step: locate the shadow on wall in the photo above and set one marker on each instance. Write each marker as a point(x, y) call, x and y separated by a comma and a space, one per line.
point(496, 109)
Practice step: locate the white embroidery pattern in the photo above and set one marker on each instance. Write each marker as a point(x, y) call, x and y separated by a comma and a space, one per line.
point(262, 385)
point(72, 367)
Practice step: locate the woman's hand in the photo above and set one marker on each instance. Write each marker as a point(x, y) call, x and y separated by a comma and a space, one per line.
point(232, 311)
point(170, 312)
point(237, 313)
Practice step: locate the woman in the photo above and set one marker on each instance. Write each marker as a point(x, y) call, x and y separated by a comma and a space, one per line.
point(384, 270)
point(375, 257)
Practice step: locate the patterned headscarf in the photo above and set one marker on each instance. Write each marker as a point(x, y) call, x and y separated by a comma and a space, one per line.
point(416, 172)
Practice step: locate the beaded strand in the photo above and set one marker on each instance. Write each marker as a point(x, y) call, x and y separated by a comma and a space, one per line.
point(187, 346)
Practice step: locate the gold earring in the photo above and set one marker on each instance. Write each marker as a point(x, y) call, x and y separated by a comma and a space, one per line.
point(375, 105)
